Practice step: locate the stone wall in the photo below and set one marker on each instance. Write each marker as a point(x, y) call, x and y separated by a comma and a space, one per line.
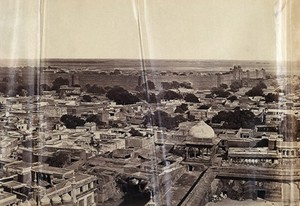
point(201, 192)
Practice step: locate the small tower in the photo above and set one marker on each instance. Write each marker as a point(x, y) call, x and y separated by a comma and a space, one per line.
point(73, 194)
point(263, 71)
point(74, 79)
point(248, 74)
point(257, 74)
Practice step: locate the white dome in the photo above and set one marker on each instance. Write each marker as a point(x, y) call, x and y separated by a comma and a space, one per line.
point(56, 199)
point(26, 203)
point(32, 202)
point(202, 130)
point(45, 200)
point(66, 198)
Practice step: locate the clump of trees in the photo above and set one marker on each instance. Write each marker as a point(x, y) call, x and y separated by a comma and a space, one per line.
point(170, 95)
point(232, 98)
point(115, 72)
point(95, 89)
point(236, 119)
point(186, 85)
point(176, 85)
point(71, 121)
point(191, 98)
point(121, 96)
point(270, 97)
point(58, 82)
point(86, 98)
point(257, 90)
point(220, 92)
point(163, 119)
point(60, 159)
point(235, 86)
point(181, 108)
point(95, 118)
point(148, 97)
point(150, 85)
point(45, 87)
point(224, 86)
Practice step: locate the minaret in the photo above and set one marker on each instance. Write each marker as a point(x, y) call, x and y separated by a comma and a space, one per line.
point(256, 74)
point(289, 128)
point(239, 72)
point(248, 74)
point(263, 71)
point(73, 193)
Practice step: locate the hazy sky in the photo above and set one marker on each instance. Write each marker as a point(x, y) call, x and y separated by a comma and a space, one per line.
point(171, 29)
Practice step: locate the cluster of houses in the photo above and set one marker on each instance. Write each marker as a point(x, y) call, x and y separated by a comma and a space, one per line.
point(43, 162)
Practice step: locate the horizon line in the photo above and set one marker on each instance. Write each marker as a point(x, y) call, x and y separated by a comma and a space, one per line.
point(147, 59)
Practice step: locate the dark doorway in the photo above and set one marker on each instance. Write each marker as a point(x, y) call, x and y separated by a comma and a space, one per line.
point(191, 168)
point(261, 194)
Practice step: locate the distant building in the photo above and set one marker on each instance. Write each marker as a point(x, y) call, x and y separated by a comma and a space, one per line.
point(65, 90)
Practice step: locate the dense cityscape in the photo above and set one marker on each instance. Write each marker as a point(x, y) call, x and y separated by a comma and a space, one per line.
point(148, 137)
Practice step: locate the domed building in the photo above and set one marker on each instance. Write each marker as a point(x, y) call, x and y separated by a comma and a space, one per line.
point(202, 131)
point(201, 145)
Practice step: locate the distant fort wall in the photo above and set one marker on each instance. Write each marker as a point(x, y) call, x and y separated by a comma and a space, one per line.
point(127, 81)
point(130, 81)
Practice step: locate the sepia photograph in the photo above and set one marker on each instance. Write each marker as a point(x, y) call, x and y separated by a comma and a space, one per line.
point(149, 103)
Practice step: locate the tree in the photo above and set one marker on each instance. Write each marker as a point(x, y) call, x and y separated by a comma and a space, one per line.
point(224, 86)
point(186, 85)
point(95, 118)
point(255, 91)
point(235, 119)
point(150, 84)
point(121, 96)
point(45, 87)
point(262, 85)
point(107, 88)
point(178, 119)
point(149, 97)
point(171, 85)
point(270, 97)
point(71, 122)
point(60, 159)
point(86, 98)
point(3, 88)
point(162, 119)
point(181, 108)
point(235, 86)
point(232, 98)
point(135, 133)
point(59, 82)
point(95, 89)
point(115, 72)
point(87, 86)
point(166, 85)
point(170, 95)
point(220, 92)
point(191, 98)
